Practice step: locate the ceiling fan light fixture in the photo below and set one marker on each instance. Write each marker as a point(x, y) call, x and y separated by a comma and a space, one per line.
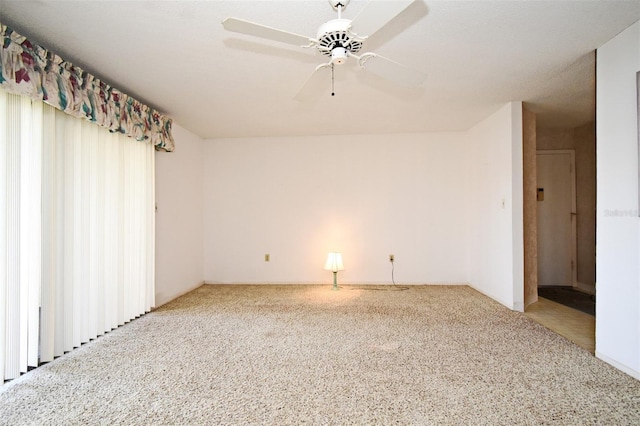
point(339, 55)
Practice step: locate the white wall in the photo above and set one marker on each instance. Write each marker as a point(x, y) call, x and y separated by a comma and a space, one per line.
point(495, 232)
point(179, 218)
point(617, 231)
point(298, 198)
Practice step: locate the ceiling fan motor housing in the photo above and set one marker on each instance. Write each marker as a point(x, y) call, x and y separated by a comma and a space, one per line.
point(335, 40)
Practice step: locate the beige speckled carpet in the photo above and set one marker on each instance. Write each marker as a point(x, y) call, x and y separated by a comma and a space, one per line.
point(307, 355)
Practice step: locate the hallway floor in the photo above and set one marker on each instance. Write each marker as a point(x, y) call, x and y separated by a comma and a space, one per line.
point(576, 326)
point(571, 297)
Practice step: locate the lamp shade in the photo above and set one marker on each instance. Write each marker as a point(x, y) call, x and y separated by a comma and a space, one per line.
point(334, 262)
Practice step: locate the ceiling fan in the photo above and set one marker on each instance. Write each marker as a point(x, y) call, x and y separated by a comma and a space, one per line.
point(341, 39)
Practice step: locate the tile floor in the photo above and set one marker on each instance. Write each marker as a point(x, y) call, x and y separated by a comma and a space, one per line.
point(570, 323)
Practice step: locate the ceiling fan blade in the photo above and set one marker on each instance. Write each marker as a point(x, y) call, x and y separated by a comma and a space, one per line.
point(376, 14)
point(392, 70)
point(258, 30)
point(317, 83)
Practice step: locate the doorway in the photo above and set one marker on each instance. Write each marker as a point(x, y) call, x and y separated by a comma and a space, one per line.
point(561, 306)
point(556, 215)
point(557, 231)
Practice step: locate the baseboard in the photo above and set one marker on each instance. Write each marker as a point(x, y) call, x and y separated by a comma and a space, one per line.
point(268, 283)
point(586, 288)
point(328, 283)
point(630, 371)
point(182, 293)
point(518, 307)
point(514, 306)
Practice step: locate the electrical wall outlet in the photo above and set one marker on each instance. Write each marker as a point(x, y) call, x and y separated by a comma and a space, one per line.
point(267, 257)
point(392, 258)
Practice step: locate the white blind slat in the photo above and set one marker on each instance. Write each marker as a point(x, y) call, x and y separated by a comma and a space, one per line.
point(12, 226)
point(30, 227)
point(49, 236)
point(3, 231)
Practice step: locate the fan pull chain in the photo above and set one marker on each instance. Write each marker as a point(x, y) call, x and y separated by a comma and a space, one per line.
point(333, 93)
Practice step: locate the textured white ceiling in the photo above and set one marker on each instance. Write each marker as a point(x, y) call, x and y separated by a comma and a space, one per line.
point(175, 56)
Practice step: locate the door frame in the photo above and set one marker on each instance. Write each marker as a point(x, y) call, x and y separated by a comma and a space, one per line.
point(574, 213)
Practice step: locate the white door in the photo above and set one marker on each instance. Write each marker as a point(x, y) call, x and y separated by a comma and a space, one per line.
point(556, 218)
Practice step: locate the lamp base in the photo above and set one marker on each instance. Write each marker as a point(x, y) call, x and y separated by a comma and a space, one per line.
point(335, 282)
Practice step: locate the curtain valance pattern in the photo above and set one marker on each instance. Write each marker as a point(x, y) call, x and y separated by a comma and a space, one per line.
point(30, 70)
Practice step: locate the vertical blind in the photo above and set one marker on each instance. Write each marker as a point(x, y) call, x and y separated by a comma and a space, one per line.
point(76, 232)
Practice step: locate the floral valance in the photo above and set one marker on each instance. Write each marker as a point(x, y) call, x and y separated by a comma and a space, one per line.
point(29, 69)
